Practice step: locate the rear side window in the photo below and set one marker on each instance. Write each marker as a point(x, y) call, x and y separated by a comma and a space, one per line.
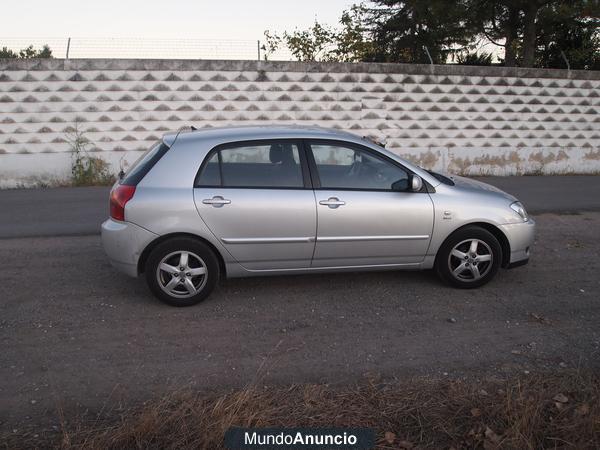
point(264, 165)
point(142, 166)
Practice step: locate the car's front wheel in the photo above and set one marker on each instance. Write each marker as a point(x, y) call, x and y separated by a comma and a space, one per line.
point(469, 258)
point(182, 271)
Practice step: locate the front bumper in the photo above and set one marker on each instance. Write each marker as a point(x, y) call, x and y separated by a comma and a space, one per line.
point(520, 238)
point(124, 242)
point(517, 264)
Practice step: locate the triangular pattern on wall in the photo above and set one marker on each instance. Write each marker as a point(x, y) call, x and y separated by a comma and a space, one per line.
point(405, 110)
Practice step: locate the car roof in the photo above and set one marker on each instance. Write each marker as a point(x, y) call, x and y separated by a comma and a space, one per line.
point(223, 135)
point(233, 133)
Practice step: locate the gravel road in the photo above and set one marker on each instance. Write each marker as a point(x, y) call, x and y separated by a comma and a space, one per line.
point(78, 336)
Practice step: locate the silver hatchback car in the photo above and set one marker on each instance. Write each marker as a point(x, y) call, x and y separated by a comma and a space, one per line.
point(249, 201)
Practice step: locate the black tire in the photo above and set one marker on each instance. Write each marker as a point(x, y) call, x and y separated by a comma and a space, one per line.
point(199, 255)
point(466, 265)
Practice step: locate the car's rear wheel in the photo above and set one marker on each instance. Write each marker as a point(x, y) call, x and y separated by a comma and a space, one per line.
point(182, 271)
point(469, 258)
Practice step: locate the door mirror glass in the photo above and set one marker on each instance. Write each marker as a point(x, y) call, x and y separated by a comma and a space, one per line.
point(400, 185)
point(416, 183)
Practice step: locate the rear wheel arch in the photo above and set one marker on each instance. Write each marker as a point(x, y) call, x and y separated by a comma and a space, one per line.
point(152, 245)
point(498, 234)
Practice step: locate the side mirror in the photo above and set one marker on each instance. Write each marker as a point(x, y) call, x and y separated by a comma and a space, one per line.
point(121, 174)
point(400, 185)
point(416, 183)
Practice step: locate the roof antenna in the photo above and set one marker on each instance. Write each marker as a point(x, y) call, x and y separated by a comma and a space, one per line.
point(193, 128)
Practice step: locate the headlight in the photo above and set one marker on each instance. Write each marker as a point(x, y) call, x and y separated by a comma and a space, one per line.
point(520, 210)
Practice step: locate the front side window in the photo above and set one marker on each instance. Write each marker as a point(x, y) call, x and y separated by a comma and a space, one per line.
point(268, 165)
point(341, 167)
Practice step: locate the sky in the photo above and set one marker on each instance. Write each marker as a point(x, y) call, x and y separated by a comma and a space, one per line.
point(209, 29)
point(218, 29)
point(199, 19)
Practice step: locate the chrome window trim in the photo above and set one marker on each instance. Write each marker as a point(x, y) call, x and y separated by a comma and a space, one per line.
point(371, 238)
point(272, 240)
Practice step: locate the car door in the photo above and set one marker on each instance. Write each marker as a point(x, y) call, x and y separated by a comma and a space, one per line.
point(366, 214)
point(257, 200)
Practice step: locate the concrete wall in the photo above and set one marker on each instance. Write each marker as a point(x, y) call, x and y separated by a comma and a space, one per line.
point(473, 120)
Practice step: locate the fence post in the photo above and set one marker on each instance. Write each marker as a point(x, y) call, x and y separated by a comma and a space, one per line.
point(258, 48)
point(430, 60)
point(567, 61)
point(68, 47)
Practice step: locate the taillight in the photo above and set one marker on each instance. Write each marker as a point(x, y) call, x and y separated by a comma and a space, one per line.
point(119, 196)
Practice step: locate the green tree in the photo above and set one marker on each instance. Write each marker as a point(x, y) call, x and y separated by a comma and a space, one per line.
point(352, 41)
point(26, 53)
point(499, 22)
point(7, 53)
point(402, 30)
point(270, 45)
point(314, 44)
point(531, 32)
point(347, 43)
point(524, 28)
point(570, 29)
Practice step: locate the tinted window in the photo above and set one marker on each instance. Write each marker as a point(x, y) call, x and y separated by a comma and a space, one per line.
point(342, 167)
point(211, 175)
point(142, 166)
point(266, 165)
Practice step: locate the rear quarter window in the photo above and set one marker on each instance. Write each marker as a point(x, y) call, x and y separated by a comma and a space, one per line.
point(144, 164)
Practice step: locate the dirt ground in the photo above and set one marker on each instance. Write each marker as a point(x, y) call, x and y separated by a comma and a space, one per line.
point(77, 336)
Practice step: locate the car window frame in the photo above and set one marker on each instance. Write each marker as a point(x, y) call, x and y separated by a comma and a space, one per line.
point(141, 167)
point(302, 155)
point(354, 146)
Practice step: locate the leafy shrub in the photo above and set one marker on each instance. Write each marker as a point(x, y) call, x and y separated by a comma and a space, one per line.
point(86, 170)
point(475, 59)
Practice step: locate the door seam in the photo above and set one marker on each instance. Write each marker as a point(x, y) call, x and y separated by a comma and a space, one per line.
point(316, 229)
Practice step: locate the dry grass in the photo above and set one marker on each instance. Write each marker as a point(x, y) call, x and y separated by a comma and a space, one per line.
point(531, 412)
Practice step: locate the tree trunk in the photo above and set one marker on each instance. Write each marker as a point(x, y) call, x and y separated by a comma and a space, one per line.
point(511, 31)
point(529, 34)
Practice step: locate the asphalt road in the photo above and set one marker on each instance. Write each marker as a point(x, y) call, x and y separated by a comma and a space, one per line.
point(76, 336)
point(80, 211)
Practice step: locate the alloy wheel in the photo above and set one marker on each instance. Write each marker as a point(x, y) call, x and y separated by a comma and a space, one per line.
point(181, 274)
point(470, 260)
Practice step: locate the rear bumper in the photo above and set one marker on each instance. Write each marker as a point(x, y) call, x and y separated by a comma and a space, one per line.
point(520, 238)
point(123, 243)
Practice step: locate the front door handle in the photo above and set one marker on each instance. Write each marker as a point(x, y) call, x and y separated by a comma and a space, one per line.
point(332, 202)
point(217, 201)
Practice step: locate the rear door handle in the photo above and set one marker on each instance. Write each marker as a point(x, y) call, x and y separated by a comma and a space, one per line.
point(332, 202)
point(217, 201)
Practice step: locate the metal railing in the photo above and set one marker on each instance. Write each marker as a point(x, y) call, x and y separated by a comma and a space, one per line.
point(144, 48)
